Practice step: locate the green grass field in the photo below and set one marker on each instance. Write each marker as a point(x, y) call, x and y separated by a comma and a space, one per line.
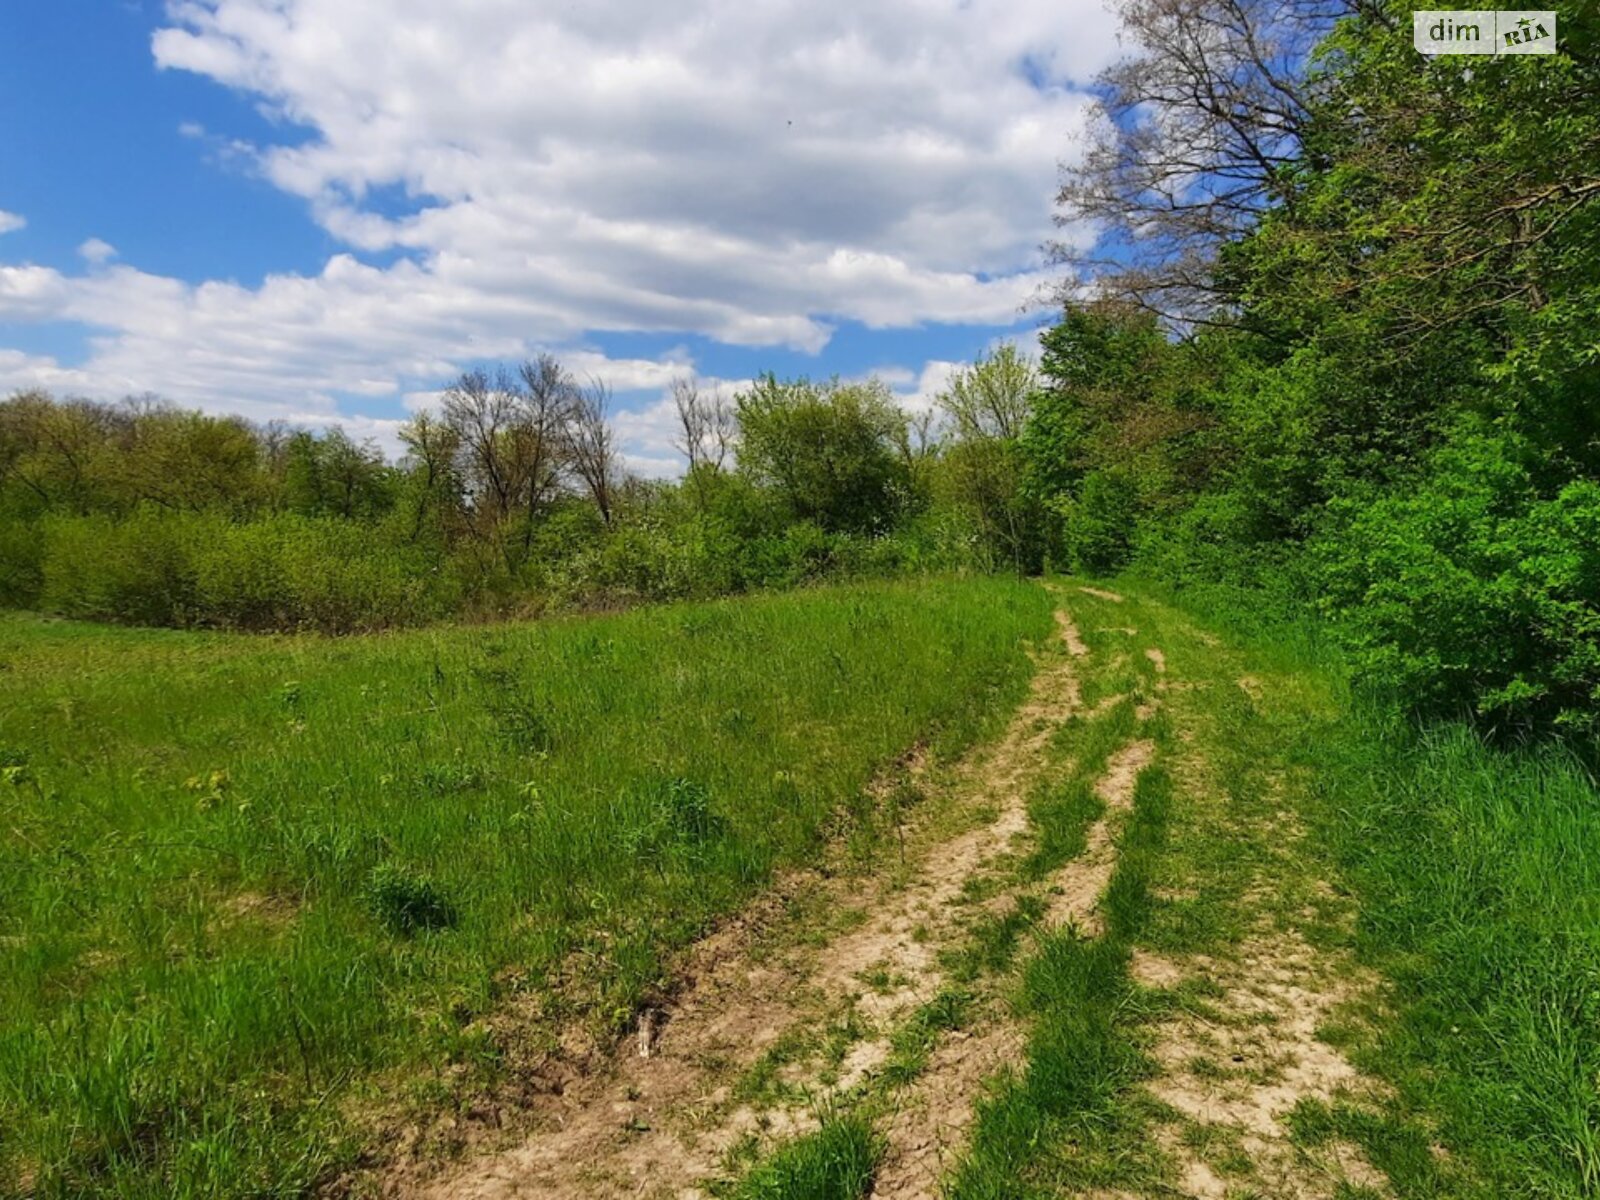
point(249, 884)
point(260, 897)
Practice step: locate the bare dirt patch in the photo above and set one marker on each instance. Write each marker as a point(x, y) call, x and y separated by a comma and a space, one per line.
point(932, 1118)
point(1153, 971)
point(1077, 887)
point(1069, 635)
point(1233, 1069)
point(1102, 594)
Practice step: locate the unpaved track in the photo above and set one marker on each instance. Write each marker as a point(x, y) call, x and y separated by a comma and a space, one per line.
point(1079, 885)
point(930, 1125)
point(1260, 1041)
point(660, 1125)
point(931, 1121)
point(659, 1117)
point(1231, 1069)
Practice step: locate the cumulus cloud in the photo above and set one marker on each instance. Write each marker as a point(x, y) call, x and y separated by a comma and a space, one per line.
point(535, 172)
point(95, 251)
point(10, 222)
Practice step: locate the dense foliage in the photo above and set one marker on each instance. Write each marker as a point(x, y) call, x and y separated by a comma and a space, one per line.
point(511, 498)
point(1364, 372)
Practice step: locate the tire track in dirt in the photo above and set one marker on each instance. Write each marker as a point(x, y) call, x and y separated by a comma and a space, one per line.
point(1077, 888)
point(1233, 1066)
point(659, 1124)
point(931, 1123)
point(1236, 1068)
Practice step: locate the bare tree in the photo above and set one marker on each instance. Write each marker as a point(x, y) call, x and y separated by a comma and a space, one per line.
point(591, 444)
point(724, 427)
point(921, 438)
point(692, 431)
point(707, 426)
point(545, 400)
point(1197, 133)
point(510, 428)
point(707, 423)
point(482, 410)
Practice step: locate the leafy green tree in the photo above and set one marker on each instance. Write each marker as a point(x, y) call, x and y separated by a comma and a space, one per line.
point(332, 475)
point(990, 398)
point(828, 450)
point(982, 467)
point(1378, 277)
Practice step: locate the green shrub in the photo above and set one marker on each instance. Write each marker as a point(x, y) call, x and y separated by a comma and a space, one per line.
point(280, 572)
point(21, 561)
point(138, 569)
point(666, 815)
point(1098, 523)
point(1473, 592)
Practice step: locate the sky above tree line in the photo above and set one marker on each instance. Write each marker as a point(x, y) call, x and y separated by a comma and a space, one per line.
point(321, 210)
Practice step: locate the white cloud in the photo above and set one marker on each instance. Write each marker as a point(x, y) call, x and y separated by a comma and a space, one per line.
point(95, 251)
point(750, 173)
point(933, 379)
point(10, 222)
point(23, 372)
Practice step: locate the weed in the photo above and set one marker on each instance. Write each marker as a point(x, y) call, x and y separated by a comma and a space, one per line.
point(405, 902)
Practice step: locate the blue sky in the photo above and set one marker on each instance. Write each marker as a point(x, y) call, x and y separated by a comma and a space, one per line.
point(318, 210)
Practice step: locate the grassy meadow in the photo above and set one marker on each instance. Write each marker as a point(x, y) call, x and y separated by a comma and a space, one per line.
point(248, 884)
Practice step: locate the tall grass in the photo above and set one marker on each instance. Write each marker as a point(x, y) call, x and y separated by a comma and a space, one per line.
point(837, 1162)
point(1479, 875)
point(244, 882)
point(1476, 868)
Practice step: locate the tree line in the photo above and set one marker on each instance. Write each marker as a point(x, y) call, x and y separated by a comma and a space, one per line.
point(510, 496)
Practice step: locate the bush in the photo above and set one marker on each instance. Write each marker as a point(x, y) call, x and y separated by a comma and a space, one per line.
point(1217, 540)
point(291, 572)
point(281, 572)
point(21, 562)
point(1472, 592)
point(1098, 524)
point(139, 569)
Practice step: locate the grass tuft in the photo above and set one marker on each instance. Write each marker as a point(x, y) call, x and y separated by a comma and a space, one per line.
point(837, 1162)
point(406, 902)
